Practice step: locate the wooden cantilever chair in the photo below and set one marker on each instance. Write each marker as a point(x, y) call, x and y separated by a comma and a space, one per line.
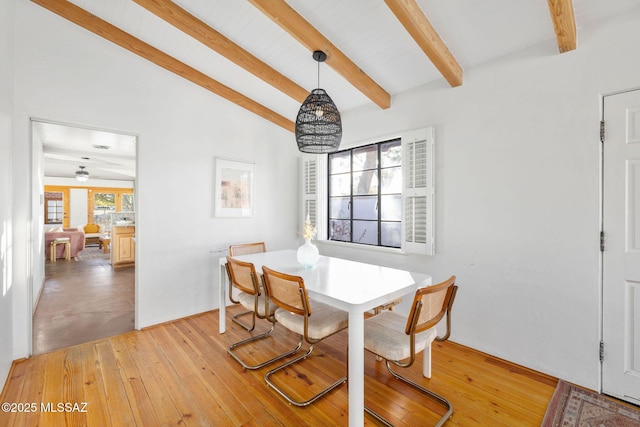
point(243, 277)
point(247, 248)
point(237, 250)
point(398, 340)
point(312, 320)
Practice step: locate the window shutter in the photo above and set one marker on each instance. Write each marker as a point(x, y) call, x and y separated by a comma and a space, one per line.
point(312, 193)
point(310, 189)
point(418, 191)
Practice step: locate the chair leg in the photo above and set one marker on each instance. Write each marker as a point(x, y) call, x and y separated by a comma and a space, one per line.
point(424, 390)
point(256, 338)
point(236, 319)
point(289, 398)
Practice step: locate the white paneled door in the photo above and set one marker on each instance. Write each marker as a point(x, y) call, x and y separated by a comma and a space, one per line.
point(621, 255)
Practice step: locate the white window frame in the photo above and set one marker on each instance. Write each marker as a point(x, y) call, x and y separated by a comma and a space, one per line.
point(418, 192)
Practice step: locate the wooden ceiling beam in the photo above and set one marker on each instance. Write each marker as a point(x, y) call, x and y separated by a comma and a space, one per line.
point(125, 40)
point(564, 24)
point(293, 23)
point(194, 27)
point(418, 26)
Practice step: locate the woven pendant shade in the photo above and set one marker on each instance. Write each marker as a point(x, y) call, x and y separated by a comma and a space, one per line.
point(318, 125)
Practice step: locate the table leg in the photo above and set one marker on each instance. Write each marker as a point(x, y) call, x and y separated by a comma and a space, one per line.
point(356, 369)
point(222, 302)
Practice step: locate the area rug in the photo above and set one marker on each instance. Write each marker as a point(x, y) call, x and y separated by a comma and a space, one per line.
point(91, 253)
point(574, 406)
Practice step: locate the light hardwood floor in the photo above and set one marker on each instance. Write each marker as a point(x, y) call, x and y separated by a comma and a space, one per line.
point(179, 373)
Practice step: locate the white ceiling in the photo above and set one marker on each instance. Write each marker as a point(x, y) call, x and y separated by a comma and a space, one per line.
point(366, 31)
point(105, 155)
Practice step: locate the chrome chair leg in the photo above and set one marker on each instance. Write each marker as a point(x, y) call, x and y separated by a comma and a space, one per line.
point(256, 338)
point(289, 398)
point(236, 319)
point(424, 390)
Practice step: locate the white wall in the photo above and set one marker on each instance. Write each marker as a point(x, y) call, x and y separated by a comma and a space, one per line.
point(517, 195)
point(6, 203)
point(66, 74)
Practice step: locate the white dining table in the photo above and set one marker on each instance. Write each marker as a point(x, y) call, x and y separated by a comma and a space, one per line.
point(354, 287)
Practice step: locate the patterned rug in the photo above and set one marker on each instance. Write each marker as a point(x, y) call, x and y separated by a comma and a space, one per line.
point(574, 406)
point(91, 252)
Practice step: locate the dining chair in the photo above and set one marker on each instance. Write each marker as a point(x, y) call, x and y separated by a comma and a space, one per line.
point(251, 296)
point(247, 248)
point(237, 250)
point(311, 320)
point(398, 339)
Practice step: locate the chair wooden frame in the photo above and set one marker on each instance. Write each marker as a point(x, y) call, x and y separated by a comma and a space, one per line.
point(416, 324)
point(248, 284)
point(297, 303)
point(247, 248)
point(237, 250)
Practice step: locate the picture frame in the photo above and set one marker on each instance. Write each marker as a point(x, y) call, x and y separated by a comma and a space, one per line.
point(234, 185)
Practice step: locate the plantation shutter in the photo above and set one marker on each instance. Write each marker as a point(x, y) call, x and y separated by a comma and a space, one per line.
point(418, 191)
point(312, 196)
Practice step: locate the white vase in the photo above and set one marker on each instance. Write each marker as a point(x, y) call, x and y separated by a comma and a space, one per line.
point(308, 254)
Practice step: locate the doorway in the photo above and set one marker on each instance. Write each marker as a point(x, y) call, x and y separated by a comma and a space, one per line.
point(621, 247)
point(85, 298)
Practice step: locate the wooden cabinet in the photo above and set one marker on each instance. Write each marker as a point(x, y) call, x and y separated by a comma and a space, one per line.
point(123, 246)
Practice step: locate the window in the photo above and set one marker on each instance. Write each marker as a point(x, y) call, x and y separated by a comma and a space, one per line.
point(103, 203)
point(53, 208)
point(365, 195)
point(379, 194)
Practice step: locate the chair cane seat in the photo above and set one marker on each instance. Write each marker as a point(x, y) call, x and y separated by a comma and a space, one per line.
point(323, 321)
point(384, 335)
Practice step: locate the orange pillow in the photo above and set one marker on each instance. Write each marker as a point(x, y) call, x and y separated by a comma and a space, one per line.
point(91, 228)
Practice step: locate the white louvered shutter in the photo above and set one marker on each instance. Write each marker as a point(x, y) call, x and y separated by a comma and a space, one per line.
point(418, 191)
point(310, 189)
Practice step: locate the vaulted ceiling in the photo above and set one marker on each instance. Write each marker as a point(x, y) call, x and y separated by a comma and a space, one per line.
point(258, 53)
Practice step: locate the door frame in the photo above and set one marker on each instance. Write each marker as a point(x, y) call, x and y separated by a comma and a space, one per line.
point(36, 157)
point(602, 136)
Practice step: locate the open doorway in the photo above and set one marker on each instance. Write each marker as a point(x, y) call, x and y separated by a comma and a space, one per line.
point(85, 195)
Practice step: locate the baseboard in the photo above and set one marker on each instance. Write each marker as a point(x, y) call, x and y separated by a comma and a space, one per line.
point(33, 311)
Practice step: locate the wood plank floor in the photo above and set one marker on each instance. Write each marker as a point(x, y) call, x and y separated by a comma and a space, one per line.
point(180, 374)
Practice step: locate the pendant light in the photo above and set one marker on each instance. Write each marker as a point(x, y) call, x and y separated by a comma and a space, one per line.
point(82, 175)
point(318, 124)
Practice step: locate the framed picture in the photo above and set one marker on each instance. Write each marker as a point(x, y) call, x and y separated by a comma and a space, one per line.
point(234, 188)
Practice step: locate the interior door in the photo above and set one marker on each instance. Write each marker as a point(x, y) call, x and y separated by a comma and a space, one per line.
point(621, 256)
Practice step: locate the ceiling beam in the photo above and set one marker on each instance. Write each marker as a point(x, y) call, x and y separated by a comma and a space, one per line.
point(293, 23)
point(418, 26)
point(125, 40)
point(564, 23)
point(194, 27)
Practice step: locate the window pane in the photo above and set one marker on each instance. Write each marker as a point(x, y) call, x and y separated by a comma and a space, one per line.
point(340, 230)
point(365, 182)
point(391, 209)
point(391, 180)
point(339, 208)
point(391, 234)
point(339, 185)
point(365, 207)
point(339, 162)
point(390, 154)
point(127, 203)
point(365, 158)
point(365, 232)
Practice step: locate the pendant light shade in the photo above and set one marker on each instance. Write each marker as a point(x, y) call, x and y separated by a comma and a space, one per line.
point(318, 124)
point(82, 175)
